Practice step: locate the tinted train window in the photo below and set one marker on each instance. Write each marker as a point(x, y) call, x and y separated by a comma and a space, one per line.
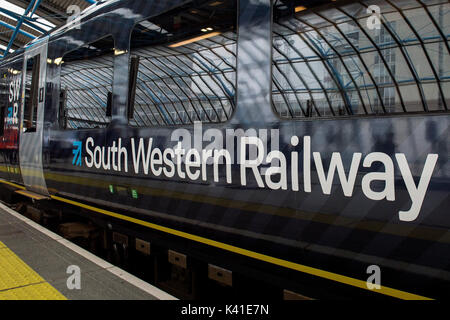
point(2, 120)
point(183, 66)
point(31, 93)
point(86, 85)
point(330, 61)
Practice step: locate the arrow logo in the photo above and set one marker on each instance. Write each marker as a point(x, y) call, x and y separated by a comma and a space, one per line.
point(77, 145)
point(10, 115)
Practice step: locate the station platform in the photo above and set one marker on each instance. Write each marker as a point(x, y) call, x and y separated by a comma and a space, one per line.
point(37, 264)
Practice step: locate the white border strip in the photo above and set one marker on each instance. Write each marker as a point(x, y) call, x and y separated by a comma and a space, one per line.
point(138, 283)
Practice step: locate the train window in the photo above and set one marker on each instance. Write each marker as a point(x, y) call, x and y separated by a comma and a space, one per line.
point(86, 85)
point(183, 66)
point(31, 94)
point(328, 61)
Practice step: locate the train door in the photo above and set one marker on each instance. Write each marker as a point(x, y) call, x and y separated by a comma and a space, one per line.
point(32, 117)
point(4, 90)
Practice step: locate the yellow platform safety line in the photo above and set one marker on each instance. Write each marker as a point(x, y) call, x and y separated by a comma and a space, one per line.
point(19, 282)
point(40, 291)
point(15, 185)
point(32, 195)
point(259, 256)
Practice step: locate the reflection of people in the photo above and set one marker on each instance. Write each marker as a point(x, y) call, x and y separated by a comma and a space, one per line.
point(438, 144)
point(385, 143)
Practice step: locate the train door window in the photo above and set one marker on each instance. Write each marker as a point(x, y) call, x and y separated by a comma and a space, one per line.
point(2, 121)
point(183, 66)
point(86, 85)
point(31, 94)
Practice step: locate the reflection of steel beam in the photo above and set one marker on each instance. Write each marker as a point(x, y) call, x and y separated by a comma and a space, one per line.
point(17, 17)
point(191, 17)
point(4, 24)
point(31, 7)
point(48, 11)
point(5, 40)
point(45, 11)
point(87, 121)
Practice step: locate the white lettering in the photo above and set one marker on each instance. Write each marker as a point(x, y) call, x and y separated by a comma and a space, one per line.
point(251, 163)
point(417, 194)
point(336, 164)
point(387, 176)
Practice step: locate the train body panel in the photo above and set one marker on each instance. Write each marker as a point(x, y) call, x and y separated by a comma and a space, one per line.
point(10, 111)
point(385, 203)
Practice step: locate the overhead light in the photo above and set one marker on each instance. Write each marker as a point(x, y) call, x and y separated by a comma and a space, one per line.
point(118, 52)
point(13, 71)
point(299, 8)
point(206, 29)
point(49, 61)
point(58, 61)
point(205, 36)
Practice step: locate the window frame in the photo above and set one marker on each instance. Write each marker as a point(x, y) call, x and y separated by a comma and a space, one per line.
point(34, 95)
point(63, 118)
point(233, 101)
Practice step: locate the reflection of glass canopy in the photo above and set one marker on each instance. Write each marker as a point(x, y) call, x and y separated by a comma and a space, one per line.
point(22, 21)
point(327, 61)
point(85, 85)
point(332, 61)
point(193, 82)
point(180, 85)
point(182, 68)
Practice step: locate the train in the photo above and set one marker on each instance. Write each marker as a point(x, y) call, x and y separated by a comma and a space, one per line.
point(300, 145)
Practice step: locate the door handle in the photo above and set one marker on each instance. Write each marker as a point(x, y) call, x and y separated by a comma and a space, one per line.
point(41, 94)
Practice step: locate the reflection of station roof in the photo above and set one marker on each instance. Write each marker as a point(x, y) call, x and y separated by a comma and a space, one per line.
point(24, 20)
point(38, 17)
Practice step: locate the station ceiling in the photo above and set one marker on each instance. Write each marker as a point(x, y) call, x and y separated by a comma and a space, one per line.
point(23, 20)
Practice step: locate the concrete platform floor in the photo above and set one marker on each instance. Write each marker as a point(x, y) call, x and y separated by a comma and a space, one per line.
point(34, 264)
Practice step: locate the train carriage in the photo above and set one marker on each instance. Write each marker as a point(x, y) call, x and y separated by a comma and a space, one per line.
point(300, 144)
